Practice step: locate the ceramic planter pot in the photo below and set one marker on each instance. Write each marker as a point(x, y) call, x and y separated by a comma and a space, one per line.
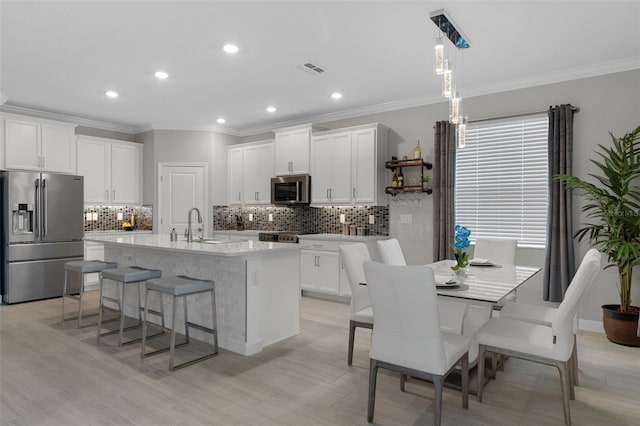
point(621, 327)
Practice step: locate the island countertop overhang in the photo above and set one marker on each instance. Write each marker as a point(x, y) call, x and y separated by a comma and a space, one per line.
point(163, 242)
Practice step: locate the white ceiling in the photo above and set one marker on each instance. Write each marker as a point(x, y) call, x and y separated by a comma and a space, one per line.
point(61, 56)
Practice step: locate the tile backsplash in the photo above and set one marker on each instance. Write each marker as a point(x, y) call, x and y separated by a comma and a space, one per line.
point(303, 219)
point(106, 217)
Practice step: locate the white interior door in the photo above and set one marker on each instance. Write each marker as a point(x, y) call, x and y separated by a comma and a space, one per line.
point(180, 189)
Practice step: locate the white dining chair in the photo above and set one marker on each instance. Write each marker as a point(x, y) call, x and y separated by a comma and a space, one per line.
point(543, 315)
point(501, 251)
point(391, 252)
point(407, 336)
point(551, 345)
point(360, 311)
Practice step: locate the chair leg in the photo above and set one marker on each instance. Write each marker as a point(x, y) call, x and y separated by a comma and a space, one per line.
point(403, 380)
point(438, 384)
point(122, 305)
point(144, 323)
point(494, 365)
point(565, 385)
point(100, 308)
point(481, 351)
point(64, 294)
point(373, 371)
point(352, 332)
point(80, 301)
point(172, 339)
point(465, 380)
point(574, 361)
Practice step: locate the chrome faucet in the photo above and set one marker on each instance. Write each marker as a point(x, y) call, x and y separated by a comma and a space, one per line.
point(189, 231)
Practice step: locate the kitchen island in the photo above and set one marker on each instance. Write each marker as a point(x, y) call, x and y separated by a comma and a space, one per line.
point(257, 285)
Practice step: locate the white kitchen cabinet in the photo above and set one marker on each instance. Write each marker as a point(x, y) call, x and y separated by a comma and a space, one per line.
point(2, 166)
point(319, 271)
point(348, 166)
point(234, 175)
point(249, 172)
point(292, 151)
point(112, 170)
point(257, 172)
point(38, 144)
point(331, 169)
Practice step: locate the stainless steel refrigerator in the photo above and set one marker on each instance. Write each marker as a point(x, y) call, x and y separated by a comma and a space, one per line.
point(43, 228)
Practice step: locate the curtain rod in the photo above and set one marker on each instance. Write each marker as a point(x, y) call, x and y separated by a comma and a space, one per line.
point(574, 109)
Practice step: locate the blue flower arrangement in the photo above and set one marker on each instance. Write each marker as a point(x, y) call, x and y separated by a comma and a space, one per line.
point(460, 243)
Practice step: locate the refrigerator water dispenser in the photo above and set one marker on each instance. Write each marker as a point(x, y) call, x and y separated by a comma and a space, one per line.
point(22, 218)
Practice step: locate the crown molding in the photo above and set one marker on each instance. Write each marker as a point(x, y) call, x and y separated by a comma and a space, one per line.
point(165, 125)
point(80, 121)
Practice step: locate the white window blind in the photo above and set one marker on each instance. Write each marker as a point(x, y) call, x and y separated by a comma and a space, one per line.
point(501, 180)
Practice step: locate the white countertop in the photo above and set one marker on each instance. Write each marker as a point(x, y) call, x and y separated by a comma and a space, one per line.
point(117, 232)
point(164, 243)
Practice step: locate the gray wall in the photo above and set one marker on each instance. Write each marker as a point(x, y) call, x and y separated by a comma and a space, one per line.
point(188, 147)
point(607, 103)
point(99, 133)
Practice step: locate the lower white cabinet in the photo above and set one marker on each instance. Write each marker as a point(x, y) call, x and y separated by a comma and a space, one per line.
point(319, 271)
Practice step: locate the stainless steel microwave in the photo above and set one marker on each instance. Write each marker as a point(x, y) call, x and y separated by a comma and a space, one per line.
point(291, 189)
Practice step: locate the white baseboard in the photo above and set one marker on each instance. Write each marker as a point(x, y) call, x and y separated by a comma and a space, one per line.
point(589, 325)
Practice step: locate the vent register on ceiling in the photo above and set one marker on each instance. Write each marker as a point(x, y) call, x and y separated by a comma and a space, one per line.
point(444, 66)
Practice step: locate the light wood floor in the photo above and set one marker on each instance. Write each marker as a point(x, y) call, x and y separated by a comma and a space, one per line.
point(58, 376)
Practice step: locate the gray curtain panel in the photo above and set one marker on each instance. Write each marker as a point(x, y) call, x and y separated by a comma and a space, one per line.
point(559, 265)
point(443, 196)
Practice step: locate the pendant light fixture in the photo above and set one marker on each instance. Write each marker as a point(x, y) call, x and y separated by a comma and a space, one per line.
point(446, 27)
point(447, 80)
point(439, 55)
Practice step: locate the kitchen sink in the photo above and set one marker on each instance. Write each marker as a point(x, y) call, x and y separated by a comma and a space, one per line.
point(218, 241)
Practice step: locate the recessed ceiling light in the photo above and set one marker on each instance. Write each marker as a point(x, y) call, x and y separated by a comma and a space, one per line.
point(336, 95)
point(271, 109)
point(161, 75)
point(111, 93)
point(221, 120)
point(230, 48)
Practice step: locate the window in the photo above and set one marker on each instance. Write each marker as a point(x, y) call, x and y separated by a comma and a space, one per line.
point(501, 182)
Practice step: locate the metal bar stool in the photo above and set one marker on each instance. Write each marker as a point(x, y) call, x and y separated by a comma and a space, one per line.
point(180, 287)
point(124, 277)
point(83, 267)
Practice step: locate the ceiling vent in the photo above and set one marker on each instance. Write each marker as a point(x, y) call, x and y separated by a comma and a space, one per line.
point(311, 68)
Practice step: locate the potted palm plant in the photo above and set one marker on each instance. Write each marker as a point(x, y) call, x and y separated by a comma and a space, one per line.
point(613, 225)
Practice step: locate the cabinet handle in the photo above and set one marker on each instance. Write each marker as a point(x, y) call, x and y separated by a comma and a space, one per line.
point(113, 195)
point(257, 196)
point(290, 166)
point(239, 196)
point(106, 194)
point(354, 192)
point(318, 245)
point(327, 193)
point(331, 193)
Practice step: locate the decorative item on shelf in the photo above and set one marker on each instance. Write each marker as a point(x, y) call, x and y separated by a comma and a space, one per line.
point(460, 244)
point(417, 152)
point(394, 180)
point(400, 178)
point(127, 226)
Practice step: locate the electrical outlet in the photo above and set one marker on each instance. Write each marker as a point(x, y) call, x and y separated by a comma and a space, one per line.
point(250, 217)
point(87, 216)
point(343, 218)
point(94, 216)
point(372, 219)
point(270, 217)
point(406, 218)
point(119, 215)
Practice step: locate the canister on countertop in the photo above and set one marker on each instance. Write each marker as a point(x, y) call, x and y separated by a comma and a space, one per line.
point(353, 229)
point(345, 228)
point(174, 235)
point(360, 231)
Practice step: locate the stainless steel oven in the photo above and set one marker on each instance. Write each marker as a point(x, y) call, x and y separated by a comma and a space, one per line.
point(291, 189)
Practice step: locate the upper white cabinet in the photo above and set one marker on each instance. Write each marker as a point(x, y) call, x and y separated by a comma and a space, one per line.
point(112, 170)
point(331, 169)
point(347, 165)
point(292, 151)
point(250, 168)
point(38, 144)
